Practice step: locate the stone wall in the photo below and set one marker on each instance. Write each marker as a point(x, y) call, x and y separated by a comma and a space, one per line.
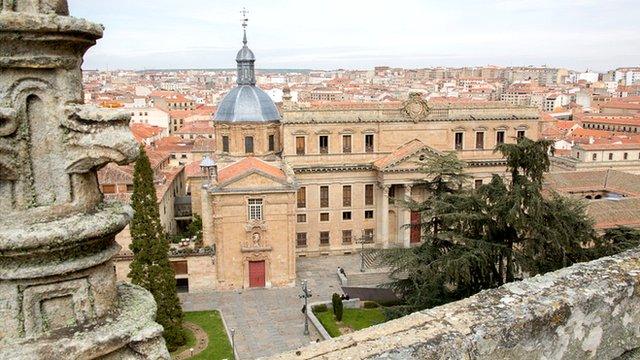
point(587, 311)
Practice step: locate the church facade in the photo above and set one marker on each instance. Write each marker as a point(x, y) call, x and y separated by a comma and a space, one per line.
point(295, 182)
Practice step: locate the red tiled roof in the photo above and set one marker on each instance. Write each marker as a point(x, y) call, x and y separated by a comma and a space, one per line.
point(196, 127)
point(144, 131)
point(193, 169)
point(249, 164)
point(614, 120)
point(174, 143)
point(615, 146)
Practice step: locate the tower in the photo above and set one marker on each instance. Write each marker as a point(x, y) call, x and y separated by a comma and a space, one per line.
point(57, 280)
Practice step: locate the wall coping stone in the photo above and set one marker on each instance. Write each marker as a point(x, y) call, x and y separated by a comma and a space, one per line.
point(586, 311)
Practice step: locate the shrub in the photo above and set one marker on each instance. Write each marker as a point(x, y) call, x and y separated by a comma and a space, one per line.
point(336, 300)
point(319, 308)
point(370, 305)
point(395, 312)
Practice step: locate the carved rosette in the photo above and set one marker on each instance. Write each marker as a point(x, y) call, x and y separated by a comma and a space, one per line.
point(58, 293)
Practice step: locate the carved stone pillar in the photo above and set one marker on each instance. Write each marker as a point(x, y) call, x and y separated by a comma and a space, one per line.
point(384, 226)
point(407, 217)
point(58, 292)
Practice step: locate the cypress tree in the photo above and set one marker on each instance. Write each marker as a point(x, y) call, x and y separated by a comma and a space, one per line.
point(150, 267)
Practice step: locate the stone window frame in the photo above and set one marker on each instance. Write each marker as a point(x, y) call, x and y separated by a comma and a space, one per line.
point(255, 209)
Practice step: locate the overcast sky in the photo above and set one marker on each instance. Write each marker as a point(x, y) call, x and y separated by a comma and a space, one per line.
point(360, 34)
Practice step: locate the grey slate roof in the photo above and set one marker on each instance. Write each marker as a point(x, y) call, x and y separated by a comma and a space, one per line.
point(247, 103)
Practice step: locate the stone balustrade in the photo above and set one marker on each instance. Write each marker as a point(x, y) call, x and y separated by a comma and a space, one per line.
point(587, 311)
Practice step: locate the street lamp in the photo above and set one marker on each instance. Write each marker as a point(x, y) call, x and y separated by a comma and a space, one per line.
point(306, 294)
point(363, 239)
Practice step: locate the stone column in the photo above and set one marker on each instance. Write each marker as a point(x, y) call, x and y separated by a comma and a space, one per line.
point(384, 228)
point(407, 217)
point(58, 293)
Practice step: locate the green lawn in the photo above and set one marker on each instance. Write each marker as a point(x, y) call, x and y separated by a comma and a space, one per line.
point(356, 319)
point(219, 347)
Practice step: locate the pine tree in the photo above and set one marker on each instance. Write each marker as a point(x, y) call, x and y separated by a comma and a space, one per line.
point(150, 267)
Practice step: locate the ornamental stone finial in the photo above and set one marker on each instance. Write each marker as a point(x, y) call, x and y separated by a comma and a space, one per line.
point(58, 7)
point(58, 296)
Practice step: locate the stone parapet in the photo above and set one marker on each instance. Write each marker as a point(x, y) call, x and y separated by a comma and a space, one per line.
point(587, 311)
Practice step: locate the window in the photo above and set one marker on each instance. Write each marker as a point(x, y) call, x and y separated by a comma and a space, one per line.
point(480, 140)
point(368, 194)
point(346, 215)
point(324, 216)
point(458, 139)
point(521, 134)
point(478, 183)
point(302, 197)
point(610, 156)
point(108, 189)
point(625, 156)
point(594, 157)
point(368, 143)
point(346, 195)
point(346, 236)
point(255, 209)
point(324, 144)
point(248, 144)
point(301, 239)
point(346, 144)
point(272, 143)
point(129, 187)
point(300, 145)
point(368, 214)
point(301, 218)
point(324, 196)
point(324, 238)
point(183, 156)
point(499, 137)
point(367, 235)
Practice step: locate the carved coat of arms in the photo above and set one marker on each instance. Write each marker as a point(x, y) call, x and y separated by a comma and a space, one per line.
point(415, 108)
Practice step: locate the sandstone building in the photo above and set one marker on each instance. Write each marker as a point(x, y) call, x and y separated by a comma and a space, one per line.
point(321, 180)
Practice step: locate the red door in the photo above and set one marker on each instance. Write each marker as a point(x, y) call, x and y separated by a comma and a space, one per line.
point(256, 274)
point(415, 227)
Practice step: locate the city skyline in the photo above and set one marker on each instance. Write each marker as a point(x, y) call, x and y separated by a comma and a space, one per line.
point(579, 35)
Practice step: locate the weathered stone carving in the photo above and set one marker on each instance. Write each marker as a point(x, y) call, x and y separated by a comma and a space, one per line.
point(58, 296)
point(416, 108)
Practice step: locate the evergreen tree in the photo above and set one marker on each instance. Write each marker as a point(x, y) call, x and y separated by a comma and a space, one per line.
point(479, 239)
point(150, 267)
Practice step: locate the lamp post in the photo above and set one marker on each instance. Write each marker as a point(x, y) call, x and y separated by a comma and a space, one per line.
point(363, 239)
point(233, 340)
point(306, 294)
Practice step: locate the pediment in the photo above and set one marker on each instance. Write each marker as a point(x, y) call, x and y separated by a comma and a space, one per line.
point(406, 157)
point(254, 179)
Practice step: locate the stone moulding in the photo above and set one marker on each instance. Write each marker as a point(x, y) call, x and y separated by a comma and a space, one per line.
point(587, 311)
point(122, 335)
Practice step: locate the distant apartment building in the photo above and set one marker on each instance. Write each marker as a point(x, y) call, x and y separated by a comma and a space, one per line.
point(150, 116)
point(627, 76)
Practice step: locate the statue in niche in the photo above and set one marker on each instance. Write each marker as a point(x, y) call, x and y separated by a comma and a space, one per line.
point(256, 239)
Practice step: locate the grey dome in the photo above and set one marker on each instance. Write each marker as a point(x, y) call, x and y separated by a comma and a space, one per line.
point(247, 103)
point(245, 54)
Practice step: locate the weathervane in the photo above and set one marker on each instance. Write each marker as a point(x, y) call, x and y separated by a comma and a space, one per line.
point(244, 13)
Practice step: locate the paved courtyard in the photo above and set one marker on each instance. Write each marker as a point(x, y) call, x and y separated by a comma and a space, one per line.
point(270, 321)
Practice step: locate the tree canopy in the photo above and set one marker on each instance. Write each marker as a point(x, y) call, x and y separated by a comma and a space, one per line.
point(509, 228)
